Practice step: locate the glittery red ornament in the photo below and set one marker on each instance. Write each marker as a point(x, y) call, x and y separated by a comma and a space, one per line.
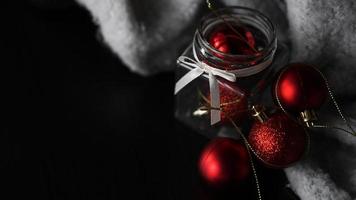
point(223, 162)
point(278, 141)
point(300, 87)
point(225, 40)
point(233, 103)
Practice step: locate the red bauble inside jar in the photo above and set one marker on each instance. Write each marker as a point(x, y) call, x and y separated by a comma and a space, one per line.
point(237, 40)
point(279, 141)
point(233, 103)
point(224, 162)
point(300, 87)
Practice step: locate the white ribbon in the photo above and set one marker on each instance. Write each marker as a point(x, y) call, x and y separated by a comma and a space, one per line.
point(200, 68)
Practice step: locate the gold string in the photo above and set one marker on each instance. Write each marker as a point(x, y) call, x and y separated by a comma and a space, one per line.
point(332, 127)
point(230, 102)
point(210, 6)
point(203, 96)
point(246, 141)
point(249, 149)
point(208, 107)
point(352, 132)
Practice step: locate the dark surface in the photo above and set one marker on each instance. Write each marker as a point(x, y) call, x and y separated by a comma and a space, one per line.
point(78, 125)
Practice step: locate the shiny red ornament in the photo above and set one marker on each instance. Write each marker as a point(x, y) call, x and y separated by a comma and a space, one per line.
point(278, 141)
point(225, 40)
point(224, 162)
point(300, 87)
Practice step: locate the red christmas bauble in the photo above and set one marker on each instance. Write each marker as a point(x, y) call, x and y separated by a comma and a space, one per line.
point(223, 162)
point(300, 87)
point(233, 103)
point(279, 141)
point(225, 40)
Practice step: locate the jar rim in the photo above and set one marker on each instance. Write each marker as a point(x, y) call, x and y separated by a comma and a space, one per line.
point(270, 46)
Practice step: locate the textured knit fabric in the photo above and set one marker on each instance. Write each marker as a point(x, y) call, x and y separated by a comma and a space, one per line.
point(149, 35)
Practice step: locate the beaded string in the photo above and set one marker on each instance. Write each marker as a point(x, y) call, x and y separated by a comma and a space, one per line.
point(207, 106)
point(352, 131)
point(210, 6)
point(249, 149)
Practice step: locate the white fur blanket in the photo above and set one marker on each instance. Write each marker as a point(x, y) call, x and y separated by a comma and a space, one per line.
point(149, 35)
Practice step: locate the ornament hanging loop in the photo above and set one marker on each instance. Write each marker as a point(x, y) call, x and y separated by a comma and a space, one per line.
point(258, 112)
point(309, 117)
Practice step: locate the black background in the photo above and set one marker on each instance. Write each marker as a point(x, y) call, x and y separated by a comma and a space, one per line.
point(77, 124)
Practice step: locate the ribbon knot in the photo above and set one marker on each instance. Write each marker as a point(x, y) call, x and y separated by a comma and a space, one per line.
point(189, 62)
point(199, 68)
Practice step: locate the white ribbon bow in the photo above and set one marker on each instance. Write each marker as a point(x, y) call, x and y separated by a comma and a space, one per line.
point(200, 68)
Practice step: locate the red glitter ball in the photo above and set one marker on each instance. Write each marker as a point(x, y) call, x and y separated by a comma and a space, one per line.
point(224, 161)
point(279, 141)
point(233, 103)
point(301, 87)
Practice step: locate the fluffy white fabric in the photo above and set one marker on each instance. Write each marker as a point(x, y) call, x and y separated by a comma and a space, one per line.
point(149, 35)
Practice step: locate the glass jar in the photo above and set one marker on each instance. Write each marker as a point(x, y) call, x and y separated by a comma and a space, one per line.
point(233, 40)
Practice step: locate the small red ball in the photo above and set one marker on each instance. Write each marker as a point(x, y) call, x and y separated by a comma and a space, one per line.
point(224, 162)
point(279, 141)
point(225, 40)
point(220, 42)
point(300, 87)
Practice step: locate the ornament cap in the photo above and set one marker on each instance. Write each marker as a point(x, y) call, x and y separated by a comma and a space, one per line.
point(309, 117)
point(258, 112)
